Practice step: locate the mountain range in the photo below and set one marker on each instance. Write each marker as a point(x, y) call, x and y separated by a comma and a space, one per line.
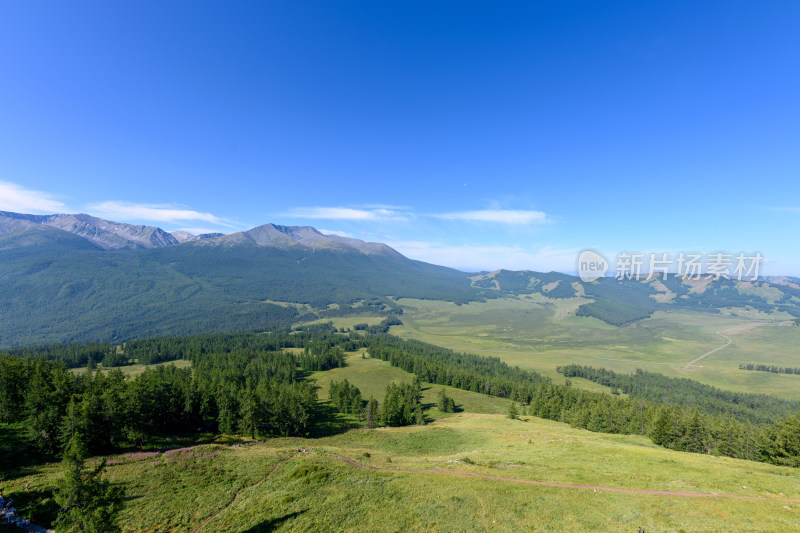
point(21, 230)
point(77, 277)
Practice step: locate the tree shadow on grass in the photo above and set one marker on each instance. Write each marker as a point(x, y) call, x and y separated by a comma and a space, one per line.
point(270, 525)
point(17, 453)
point(431, 405)
point(328, 422)
point(428, 406)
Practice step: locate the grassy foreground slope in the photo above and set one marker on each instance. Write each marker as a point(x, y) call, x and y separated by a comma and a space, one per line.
point(271, 486)
point(470, 471)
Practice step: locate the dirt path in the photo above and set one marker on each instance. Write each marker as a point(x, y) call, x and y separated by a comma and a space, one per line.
point(236, 496)
point(674, 493)
point(712, 351)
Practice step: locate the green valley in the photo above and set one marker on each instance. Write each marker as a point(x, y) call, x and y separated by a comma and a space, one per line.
point(541, 334)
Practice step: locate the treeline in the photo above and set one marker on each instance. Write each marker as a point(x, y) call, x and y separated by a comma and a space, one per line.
point(488, 375)
point(618, 302)
point(769, 368)
point(323, 347)
point(321, 357)
point(661, 389)
point(250, 384)
point(73, 354)
point(402, 404)
point(671, 426)
point(369, 306)
point(317, 340)
point(346, 398)
point(162, 349)
point(244, 391)
point(382, 327)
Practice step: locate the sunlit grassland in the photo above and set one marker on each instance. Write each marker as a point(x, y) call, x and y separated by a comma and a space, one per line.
point(541, 334)
point(372, 376)
point(316, 491)
point(270, 485)
point(349, 321)
point(134, 370)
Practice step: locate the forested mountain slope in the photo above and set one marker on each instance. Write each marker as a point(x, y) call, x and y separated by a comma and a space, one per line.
point(57, 287)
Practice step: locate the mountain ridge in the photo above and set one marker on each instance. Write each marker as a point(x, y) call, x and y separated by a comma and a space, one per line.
point(104, 233)
point(110, 235)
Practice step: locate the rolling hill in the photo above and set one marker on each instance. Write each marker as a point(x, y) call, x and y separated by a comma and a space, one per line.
point(620, 302)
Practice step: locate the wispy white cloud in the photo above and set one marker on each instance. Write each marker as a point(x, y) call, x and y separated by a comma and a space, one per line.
point(383, 212)
point(387, 206)
point(489, 257)
point(18, 199)
point(786, 209)
point(335, 232)
point(126, 211)
point(347, 213)
point(498, 216)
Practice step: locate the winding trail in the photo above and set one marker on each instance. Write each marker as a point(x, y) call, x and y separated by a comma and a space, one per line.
point(712, 351)
point(673, 493)
point(236, 496)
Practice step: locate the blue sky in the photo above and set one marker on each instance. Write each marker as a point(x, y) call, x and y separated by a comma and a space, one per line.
point(475, 135)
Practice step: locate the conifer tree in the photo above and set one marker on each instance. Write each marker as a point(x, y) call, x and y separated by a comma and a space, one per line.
point(663, 431)
point(372, 414)
point(87, 502)
point(445, 403)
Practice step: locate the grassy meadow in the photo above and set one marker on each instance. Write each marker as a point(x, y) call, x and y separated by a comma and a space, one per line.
point(372, 376)
point(541, 334)
point(136, 369)
point(349, 321)
point(270, 485)
point(475, 470)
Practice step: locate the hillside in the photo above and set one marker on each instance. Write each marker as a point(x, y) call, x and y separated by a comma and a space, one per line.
point(56, 286)
point(466, 471)
point(620, 302)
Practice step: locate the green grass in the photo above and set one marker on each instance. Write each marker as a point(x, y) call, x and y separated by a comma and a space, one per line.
point(541, 334)
point(269, 486)
point(348, 322)
point(248, 488)
point(372, 376)
point(134, 370)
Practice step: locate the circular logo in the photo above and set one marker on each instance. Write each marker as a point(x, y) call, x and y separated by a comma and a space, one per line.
point(591, 265)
